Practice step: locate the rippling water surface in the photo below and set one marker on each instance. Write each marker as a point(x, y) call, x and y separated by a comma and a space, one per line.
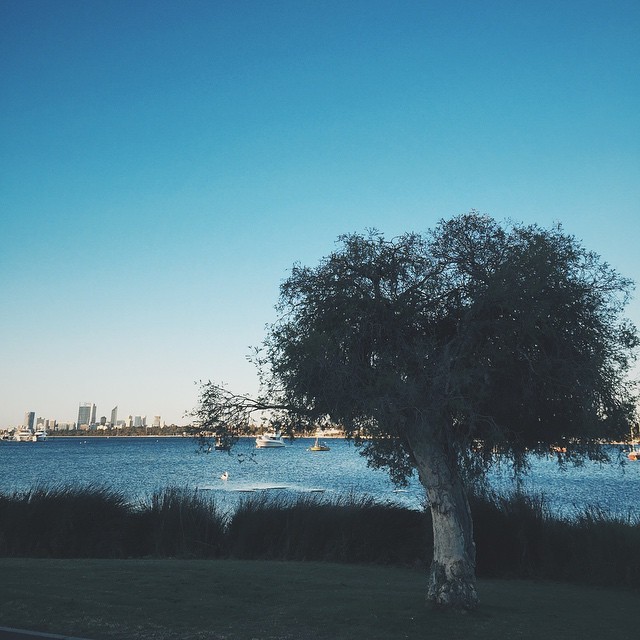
point(138, 466)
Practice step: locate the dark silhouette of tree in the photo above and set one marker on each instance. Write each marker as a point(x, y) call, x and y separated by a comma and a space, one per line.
point(444, 352)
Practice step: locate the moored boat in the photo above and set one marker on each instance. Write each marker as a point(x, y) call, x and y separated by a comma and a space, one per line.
point(318, 446)
point(24, 434)
point(270, 441)
point(222, 444)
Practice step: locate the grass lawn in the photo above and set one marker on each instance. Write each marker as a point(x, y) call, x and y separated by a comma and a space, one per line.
point(243, 600)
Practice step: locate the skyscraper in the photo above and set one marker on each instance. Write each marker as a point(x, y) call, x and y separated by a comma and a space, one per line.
point(114, 416)
point(86, 413)
point(29, 419)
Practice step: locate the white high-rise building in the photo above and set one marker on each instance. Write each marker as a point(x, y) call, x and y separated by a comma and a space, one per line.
point(114, 416)
point(86, 414)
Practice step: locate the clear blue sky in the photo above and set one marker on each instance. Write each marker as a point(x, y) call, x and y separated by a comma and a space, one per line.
point(163, 164)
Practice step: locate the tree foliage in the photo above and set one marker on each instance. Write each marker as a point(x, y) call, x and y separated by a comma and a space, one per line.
point(508, 339)
point(444, 351)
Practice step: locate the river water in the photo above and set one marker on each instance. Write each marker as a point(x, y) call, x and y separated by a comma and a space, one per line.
point(140, 466)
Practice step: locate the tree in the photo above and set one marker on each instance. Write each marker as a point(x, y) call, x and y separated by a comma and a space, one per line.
point(442, 352)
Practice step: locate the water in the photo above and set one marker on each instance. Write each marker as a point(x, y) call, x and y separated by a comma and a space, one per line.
point(614, 487)
point(139, 466)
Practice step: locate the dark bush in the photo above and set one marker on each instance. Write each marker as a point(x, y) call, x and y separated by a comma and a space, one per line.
point(178, 523)
point(348, 529)
point(516, 536)
point(64, 522)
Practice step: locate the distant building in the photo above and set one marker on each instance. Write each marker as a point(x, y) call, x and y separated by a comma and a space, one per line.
point(29, 420)
point(114, 416)
point(156, 422)
point(86, 414)
point(137, 421)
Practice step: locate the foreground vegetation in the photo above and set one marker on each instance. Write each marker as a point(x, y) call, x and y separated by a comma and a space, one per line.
point(516, 536)
point(242, 600)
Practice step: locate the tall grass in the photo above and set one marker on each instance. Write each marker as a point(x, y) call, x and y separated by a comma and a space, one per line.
point(345, 529)
point(177, 522)
point(510, 533)
point(63, 522)
point(516, 535)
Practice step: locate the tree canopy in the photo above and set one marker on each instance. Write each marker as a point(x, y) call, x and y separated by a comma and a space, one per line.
point(439, 351)
point(510, 339)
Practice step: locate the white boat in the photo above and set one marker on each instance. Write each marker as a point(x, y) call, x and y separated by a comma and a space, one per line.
point(269, 441)
point(24, 434)
point(40, 435)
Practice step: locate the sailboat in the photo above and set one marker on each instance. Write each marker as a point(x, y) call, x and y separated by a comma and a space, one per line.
point(318, 446)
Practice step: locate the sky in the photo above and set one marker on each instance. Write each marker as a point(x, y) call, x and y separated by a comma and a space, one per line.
point(163, 164)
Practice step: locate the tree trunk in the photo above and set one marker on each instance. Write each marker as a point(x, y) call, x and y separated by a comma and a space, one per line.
point(452, 580)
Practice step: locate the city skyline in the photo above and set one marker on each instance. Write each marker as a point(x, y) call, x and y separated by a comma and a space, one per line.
point(164, 165)
point(88, 415)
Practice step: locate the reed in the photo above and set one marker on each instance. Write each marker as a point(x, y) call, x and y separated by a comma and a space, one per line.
point(510, 533)
point(63, 522)
point(596, 547)
point(516, 535)
point(345, 529)
point(177, 522)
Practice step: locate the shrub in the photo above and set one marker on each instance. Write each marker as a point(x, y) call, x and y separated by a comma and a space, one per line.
point(510, 533)
point(516, 535)
point(346, 529)
point(63, 522)
point(179, 522)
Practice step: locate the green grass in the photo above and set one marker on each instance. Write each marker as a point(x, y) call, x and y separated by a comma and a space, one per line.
point(244, 600)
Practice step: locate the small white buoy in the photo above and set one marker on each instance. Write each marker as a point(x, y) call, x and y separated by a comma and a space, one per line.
point(224, 476)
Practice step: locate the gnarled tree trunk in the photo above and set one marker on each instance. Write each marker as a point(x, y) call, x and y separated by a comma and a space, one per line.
point(452, 580)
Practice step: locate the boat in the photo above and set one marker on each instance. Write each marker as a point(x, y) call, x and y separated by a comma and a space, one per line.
point(270, 441)
point(318, 446)
point(224, 476)
point(40, 435)
point(24, 434)
point(222, 444)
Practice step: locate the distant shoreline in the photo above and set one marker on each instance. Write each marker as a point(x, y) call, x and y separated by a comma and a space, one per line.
point(171, 435)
